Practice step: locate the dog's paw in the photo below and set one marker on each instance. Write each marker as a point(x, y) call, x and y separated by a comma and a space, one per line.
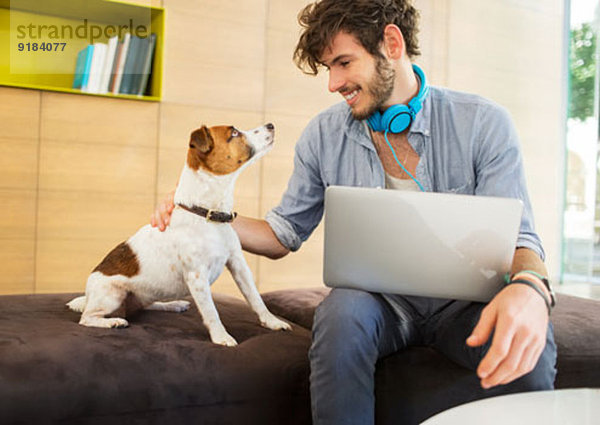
point(224, 339)
point(272, 322)
point(180, 306)
point(101, 322)
point(117, 322)
point(77, 304)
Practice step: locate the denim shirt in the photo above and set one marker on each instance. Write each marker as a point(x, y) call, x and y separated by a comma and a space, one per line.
point(466, 144)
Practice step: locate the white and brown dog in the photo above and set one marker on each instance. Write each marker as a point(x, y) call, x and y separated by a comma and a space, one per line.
point(154, 269)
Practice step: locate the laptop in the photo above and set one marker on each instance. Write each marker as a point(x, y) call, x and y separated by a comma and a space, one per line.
point(419, 243)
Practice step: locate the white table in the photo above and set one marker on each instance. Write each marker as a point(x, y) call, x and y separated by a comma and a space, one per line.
point(579, 406)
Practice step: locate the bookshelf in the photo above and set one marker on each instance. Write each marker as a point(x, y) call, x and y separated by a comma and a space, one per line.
point(63, 28)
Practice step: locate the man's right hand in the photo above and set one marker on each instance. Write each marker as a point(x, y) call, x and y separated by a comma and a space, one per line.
point(162, 214)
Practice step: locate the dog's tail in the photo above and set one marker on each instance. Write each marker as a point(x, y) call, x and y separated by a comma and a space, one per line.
point(77, 304)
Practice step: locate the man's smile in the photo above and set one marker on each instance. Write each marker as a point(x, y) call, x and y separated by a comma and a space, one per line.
point(350, 96)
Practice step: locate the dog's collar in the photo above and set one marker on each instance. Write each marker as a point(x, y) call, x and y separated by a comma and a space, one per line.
point(210, 215)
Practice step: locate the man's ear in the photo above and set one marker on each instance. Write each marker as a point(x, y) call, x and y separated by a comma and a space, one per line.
point(202, 140)
point(393, 42)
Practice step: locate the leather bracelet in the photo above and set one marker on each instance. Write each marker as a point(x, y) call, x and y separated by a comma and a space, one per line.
point(536, 288)
point(544, 280)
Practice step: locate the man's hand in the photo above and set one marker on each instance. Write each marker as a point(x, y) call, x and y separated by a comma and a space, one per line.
point(519, 318)
point(161, 217)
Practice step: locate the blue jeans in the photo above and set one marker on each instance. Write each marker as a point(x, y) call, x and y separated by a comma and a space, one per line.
point(353, 329)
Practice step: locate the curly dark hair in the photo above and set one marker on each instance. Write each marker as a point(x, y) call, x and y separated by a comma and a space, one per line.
point(364, 19)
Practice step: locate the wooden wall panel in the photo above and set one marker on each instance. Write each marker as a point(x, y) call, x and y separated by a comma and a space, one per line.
point(18, 266)
point(287, 88)
point(97, 183)
point(70, 219)
point(76, 215)
point(19, 113)
point(63, 265)
point(215, 54)
point(97, 120)
point(19, 163)
point(70, 166)
point(19, 212)
point(19, 152)
point(300, 269)
point(17, 240)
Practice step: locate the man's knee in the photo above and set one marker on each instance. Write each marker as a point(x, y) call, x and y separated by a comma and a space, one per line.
point(344, 310)
point(348, 320)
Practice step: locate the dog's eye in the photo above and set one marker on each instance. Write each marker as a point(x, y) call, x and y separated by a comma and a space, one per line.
point(235, 133)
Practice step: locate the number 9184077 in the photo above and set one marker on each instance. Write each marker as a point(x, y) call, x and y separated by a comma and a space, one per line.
point(41, 47)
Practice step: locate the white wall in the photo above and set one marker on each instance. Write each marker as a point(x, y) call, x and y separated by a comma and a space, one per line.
point(510, 51)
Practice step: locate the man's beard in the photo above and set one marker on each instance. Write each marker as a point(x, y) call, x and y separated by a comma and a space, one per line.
point(380, 88)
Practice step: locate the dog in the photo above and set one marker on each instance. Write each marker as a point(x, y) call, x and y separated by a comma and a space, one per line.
point(154, 269)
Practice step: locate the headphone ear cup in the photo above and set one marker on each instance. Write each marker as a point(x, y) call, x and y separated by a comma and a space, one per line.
point(400, 122)
point(396, 118)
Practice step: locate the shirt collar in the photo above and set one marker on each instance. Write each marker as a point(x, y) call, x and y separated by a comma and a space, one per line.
point(422, 122)
point(357, 131)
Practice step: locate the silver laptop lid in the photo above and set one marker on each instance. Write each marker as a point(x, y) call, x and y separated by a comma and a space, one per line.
point(415, 243)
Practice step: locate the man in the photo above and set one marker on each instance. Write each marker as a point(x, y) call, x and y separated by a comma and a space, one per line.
point(456, 143)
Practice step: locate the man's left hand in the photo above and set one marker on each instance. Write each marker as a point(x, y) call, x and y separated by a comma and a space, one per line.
point(519, 319)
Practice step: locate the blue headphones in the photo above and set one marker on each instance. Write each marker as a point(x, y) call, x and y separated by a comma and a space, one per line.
point(398, 118)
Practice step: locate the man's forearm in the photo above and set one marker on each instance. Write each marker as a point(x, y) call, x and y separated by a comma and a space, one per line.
point(527, 259)
point(257, 237)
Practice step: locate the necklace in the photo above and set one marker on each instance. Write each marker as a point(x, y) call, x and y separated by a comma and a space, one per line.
point(402, 173)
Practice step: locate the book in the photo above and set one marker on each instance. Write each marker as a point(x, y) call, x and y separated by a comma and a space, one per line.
point(147, 65)
point(79, 69)
point(108, 64)
point(97, 66)
point(113, 71)
point(129, 67)
point(120, 64)
point(84, 60)
point(139, 65)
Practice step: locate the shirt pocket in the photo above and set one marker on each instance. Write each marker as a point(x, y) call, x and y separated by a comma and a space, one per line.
point(457, 181)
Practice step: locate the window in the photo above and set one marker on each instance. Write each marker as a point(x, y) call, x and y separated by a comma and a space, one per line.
point(581, 230)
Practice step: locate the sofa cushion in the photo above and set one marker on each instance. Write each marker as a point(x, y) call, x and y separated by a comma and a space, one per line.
point(417, 383)
point(161, 369)
point(577, 334)
point(296, 305)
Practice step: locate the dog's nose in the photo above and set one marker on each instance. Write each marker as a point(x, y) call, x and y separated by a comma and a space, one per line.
point(270, 126)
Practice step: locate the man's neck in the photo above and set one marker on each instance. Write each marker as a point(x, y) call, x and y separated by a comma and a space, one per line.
point(406, 86)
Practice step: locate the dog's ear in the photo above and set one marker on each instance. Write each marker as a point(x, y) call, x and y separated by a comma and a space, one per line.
point(202, 140)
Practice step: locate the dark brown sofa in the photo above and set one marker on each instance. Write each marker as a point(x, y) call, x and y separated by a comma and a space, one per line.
point(163, 369)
